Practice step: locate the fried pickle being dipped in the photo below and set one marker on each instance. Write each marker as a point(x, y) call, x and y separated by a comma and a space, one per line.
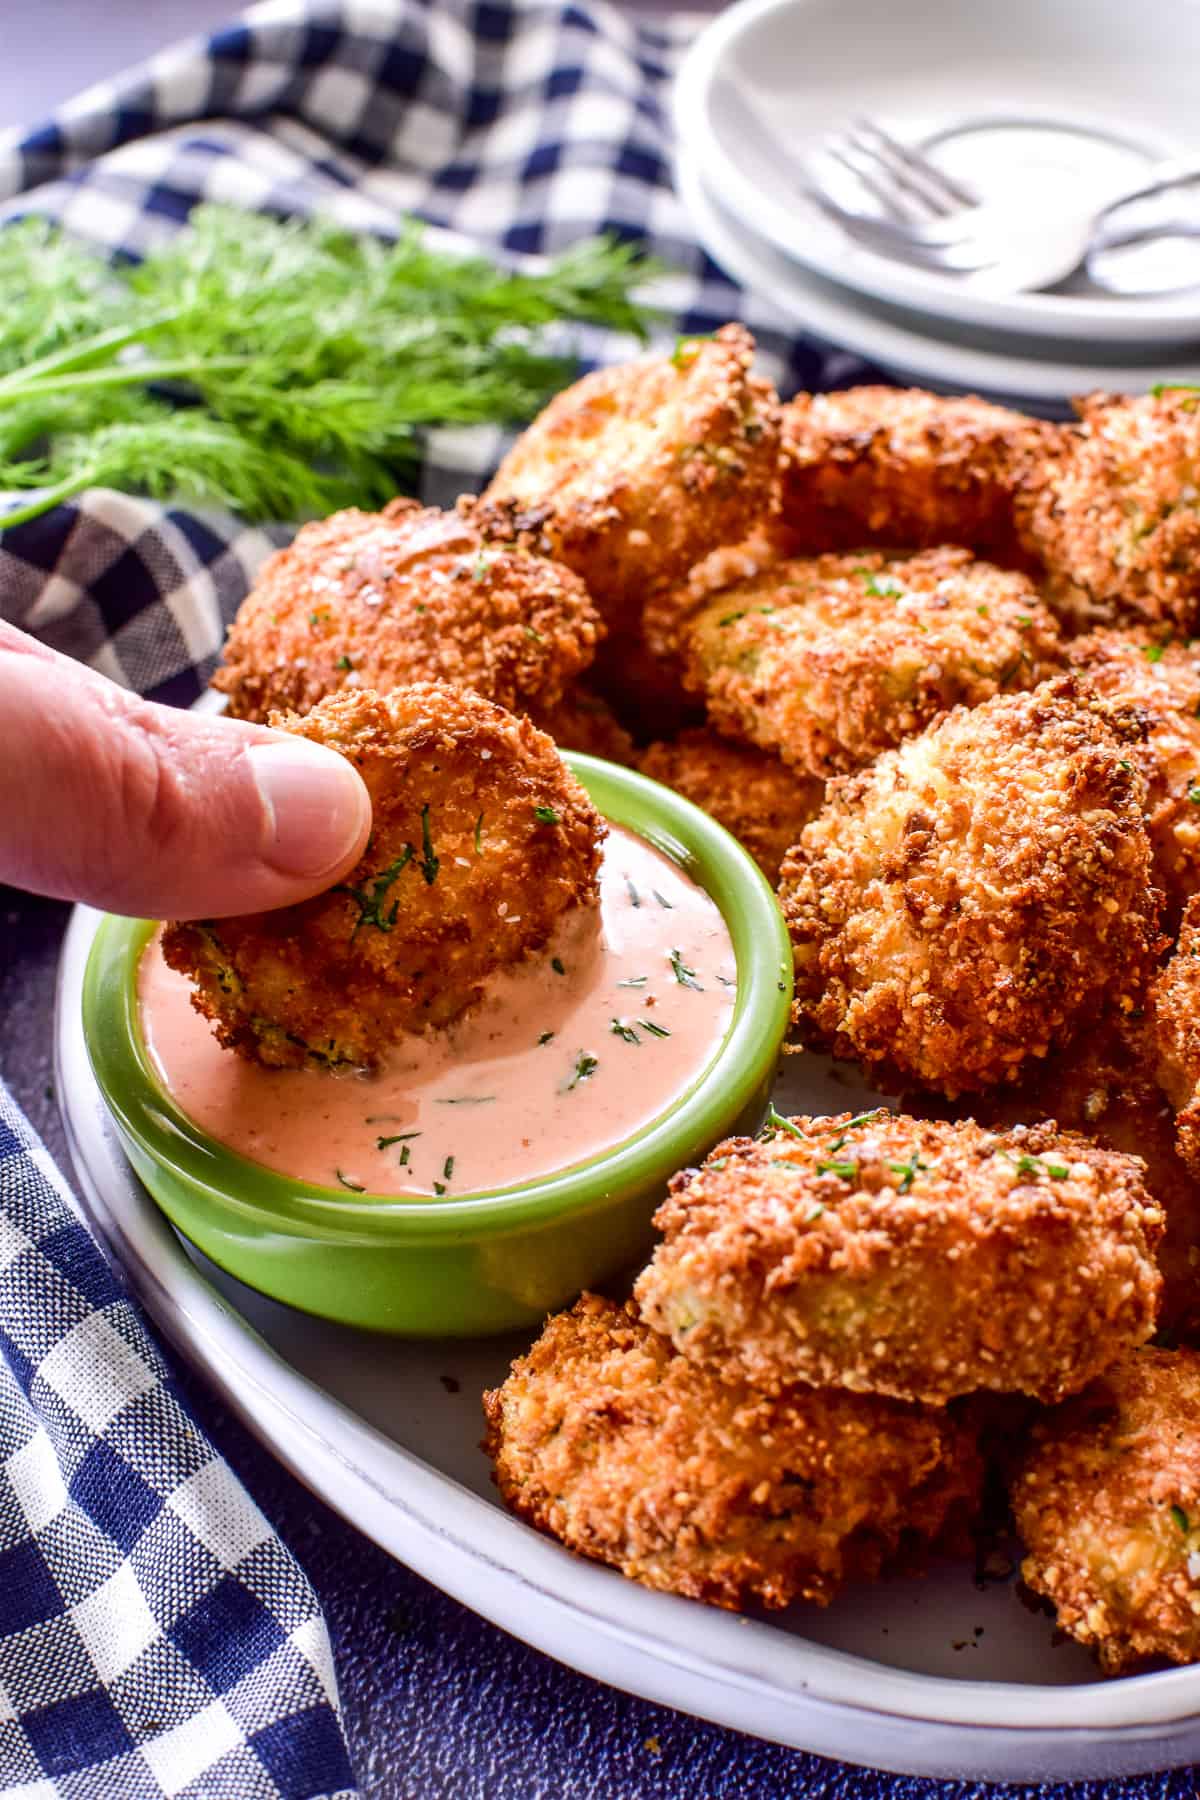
point(830, 661)
point(958, 907)
point(481, 842)
point(917, 1258)
point(1107, 1503)
point(379, 600)
point(760, 801)
point(627, 1453)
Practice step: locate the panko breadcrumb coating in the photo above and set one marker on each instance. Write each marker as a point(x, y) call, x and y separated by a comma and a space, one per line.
point(1161, 677)
point(1103, 1085)
point(754, 796)
point(1108, 1506)
point(904, 468)
point(583, 720)
point(833, 659)
point(636, 472)
point(606, 1439)
point(1112, 509)
point(376, 600)
point(481, 842)
point(955, 908)
point(1176, 1027)
point(916, 1258)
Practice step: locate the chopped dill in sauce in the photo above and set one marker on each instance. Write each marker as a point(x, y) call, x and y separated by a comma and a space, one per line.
point(585, 1067)
point(356, 1187)
point(684, 976)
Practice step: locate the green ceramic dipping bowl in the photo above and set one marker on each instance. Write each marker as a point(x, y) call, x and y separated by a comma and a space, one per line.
point(476, 1263)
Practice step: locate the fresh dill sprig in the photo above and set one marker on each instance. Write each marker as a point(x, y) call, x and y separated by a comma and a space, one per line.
point(279, 368)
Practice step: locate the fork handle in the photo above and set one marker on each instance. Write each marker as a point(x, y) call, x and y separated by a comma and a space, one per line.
point(1164, 176)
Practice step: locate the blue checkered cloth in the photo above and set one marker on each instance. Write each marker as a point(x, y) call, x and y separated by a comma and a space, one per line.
point(155, 1637)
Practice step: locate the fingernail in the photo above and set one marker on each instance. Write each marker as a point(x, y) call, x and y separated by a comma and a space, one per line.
point(317, 812)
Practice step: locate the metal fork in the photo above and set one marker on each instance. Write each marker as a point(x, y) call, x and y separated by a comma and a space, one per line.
point(924, 215)
point(930, 219)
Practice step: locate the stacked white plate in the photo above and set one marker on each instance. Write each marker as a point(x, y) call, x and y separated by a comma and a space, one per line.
point(1048, 101)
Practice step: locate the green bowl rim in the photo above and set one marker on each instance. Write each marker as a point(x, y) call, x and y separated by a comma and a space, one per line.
point(743, 1061)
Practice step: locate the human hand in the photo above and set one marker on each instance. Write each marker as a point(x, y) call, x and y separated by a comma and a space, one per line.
point(148, 810)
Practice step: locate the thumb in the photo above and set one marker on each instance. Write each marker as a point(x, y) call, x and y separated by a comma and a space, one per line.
point(147, 810)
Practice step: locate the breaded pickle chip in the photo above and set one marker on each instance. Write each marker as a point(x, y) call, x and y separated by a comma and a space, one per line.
point(1108, 1506)
point(916, 1258)
point(607, 1440)
point(1112, 509)
point(482, 841)
point(904, 468)
point(1162, 678)
point(1176, 1031)
point(379, 600)
point(764, 804)
point(636, 472)
point(830, 660)
point(1103, 1085)
point(957, 907)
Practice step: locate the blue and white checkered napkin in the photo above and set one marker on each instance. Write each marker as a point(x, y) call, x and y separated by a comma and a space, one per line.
point(155, 1637)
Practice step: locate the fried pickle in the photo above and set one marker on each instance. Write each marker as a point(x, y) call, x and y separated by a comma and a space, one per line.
point(607, 1440)
point(916, 1258)
point(636, 472)
point(955, 907)
point(1175, 999)
point(1103, 1085)
point(1107, 1504)
point(1162, 678)
point(831, 660)
point(481, 843)
point(754, 796)
point(583, 720)
point(377, 600)
point(904, 468)
point(1112, 509)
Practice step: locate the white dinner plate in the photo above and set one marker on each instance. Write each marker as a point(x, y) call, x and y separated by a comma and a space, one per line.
point(933, 354)
point(934, 1677)
point(921, 68)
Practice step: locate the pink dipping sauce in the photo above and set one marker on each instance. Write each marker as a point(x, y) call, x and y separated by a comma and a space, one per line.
point(570, 1053)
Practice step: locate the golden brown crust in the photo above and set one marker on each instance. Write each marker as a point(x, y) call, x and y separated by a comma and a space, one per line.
point(1112, 508)
point(831, 660)
point(904, 468)
point(627, 1453)
point(762, 803)
point(956, 906)
point(916, 1258)
point(636, 472)
point(461, 877)
point(1162, 678)
point(1108, 1506)
point(1175, 1000)
point(378, 600)
point(1103, 1085)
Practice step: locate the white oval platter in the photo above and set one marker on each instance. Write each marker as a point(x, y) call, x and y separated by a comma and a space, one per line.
point(930, 1676)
